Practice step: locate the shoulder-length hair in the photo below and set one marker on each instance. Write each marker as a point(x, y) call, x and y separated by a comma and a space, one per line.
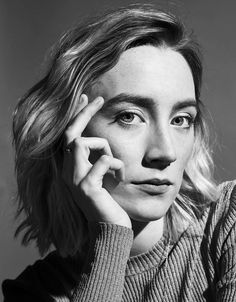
point(80, 57)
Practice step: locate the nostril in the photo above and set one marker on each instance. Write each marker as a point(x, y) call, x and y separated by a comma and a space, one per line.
point(161, 152)
point(163, 164)
point(158, 163)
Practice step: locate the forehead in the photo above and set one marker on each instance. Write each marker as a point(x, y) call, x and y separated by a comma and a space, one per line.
point(149, 71)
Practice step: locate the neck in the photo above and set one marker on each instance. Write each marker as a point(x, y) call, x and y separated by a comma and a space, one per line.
point(146, 235)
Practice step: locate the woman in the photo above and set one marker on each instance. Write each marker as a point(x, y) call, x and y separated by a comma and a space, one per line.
point(114, 170)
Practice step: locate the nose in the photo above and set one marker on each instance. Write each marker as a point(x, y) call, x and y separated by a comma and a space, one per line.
point(160, 151)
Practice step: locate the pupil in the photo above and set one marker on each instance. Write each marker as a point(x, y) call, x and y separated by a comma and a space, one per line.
point(178, 120)
point(128, 116)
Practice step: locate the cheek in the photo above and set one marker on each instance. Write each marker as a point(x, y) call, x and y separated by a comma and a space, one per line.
point(185, 149)
point(122, 145)
point(130, 151)
point(123, 149)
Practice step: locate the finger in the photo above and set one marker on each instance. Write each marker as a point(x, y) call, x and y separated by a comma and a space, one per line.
point(83, 102)
point(93, 143)
point(82, 147)
point(101, 167)
point(68, 167)
point(82, 119)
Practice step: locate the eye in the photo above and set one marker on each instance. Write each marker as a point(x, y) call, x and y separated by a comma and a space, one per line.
point(183, 121)
point(128, 118)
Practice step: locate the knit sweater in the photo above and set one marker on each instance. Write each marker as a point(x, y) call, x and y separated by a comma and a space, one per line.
point(200, 266)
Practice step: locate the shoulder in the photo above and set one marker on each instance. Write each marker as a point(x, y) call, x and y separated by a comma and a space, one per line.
point(42, 281)
point(225, 207)
point(221, 222)
point(223, 240)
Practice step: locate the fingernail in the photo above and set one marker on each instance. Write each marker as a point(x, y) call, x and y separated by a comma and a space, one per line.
point(82, 98)
point(99, 100)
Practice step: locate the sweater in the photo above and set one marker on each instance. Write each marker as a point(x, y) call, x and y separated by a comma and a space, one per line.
point(199, 266)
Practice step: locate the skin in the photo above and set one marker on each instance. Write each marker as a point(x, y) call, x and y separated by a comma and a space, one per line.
point(153, 142)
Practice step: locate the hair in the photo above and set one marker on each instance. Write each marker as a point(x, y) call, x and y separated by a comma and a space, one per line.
point(81, 56)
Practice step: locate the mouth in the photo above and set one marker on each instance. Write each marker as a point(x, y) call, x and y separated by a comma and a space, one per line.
point(153, 186)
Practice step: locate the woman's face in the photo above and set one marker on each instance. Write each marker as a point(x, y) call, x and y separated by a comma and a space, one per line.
point(148, 120)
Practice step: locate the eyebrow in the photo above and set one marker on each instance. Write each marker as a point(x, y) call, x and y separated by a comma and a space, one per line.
point(145, 102)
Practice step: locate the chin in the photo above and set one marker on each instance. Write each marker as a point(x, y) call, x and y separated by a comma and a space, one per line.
point(147, 216)
point(146, 208)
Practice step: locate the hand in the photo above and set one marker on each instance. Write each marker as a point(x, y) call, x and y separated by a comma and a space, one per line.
point(84, 179)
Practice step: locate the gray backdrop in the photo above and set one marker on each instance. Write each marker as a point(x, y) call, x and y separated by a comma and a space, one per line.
point(28, 28)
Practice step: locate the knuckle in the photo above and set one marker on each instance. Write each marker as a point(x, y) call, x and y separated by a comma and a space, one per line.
point(67, 134)
point(121, 163)
point(80, 143)
point(105, 159)
point(85, 186)
point(105, 142)
point(77, 141)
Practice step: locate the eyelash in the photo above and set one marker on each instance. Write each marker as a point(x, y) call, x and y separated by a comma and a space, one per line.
point(118, 119)
point(189, 118)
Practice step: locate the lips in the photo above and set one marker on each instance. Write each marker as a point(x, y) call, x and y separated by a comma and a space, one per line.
point(153, 181)
point(153, 186)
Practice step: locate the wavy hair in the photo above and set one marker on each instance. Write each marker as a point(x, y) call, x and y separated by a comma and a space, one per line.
point(79, 58)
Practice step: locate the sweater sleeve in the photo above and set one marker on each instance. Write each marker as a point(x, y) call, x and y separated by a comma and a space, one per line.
point(101, 278)
point(226, 287)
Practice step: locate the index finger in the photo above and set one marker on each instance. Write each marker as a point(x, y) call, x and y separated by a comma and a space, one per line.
point(82, 119)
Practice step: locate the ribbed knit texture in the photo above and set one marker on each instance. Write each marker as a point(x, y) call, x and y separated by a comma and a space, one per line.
point(105, 264)
point(200, 266)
